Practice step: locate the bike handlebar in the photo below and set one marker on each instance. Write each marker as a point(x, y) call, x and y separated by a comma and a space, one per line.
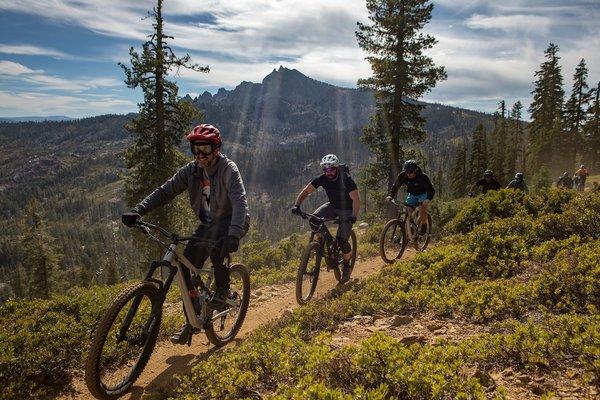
point(394, 202)
point(318, 218)
point(175, 237)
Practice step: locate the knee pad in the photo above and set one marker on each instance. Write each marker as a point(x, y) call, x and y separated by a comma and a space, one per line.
point(344, 245)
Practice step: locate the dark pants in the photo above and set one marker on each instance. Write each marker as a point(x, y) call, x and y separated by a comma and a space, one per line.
point(344, 227)
point(197, 253)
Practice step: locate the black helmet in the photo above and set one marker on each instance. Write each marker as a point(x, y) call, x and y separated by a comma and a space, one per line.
point(410, 166)
point(488, 172)
point(519, 175)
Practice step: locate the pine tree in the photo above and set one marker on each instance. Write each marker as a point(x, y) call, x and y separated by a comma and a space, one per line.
point(458, 183)
point(515, 155)
point(546, 112)
point(591, 132)
point(478, 162)
point(401, 74)
point(40, 254)
point(575, 117)
point(163, 118)
point(499, 142)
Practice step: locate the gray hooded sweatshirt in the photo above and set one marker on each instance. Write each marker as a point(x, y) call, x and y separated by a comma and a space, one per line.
point(227, 194)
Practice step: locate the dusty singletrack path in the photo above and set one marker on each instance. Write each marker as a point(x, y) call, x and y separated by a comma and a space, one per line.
point(267, 303)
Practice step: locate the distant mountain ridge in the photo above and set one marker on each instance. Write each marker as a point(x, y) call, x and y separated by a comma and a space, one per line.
point(284, 123)
point(285, 104)
point(36, 118)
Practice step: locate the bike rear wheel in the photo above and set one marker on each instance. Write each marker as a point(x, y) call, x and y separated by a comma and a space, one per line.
point(423, 240)
point(392, 242)
point(123, 341)
point(223, 329)
point(308, 273)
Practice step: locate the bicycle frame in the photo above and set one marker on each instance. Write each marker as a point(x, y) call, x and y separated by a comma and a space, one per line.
point(175, 261)
point(328, 241)
point(407, 215)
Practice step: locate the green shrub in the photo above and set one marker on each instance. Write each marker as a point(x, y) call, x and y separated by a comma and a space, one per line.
point(41, 340)
point(494, 204)
point(570, 282)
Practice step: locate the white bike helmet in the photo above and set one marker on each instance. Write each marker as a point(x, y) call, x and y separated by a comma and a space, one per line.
point(330, 160)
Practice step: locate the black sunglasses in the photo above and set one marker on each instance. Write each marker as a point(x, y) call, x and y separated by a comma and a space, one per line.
point(202, 148)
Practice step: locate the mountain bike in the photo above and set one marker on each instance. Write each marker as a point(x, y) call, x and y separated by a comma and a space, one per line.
point(401, 231)
point(321, 245)
point(127, 333)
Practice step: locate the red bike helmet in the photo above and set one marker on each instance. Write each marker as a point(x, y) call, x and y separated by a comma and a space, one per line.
point(205, 133)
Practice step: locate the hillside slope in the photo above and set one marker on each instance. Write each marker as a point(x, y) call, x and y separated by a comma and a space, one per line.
point(507, 307)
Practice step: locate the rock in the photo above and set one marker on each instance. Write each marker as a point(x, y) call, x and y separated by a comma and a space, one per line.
point(398, 320)
point(537, 389)
point(363, 319)
point(287, 312)
point(382, 322)
point(253, 296)
point(408, 340)
point(524, 378)
point(435, 326)
point(258, 292)
point(440, 331)
point(485, 379)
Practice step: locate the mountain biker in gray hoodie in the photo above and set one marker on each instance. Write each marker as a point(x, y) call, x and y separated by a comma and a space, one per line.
point(217, 197)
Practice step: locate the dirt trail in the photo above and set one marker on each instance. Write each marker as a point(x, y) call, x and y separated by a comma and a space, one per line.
point(168, 360)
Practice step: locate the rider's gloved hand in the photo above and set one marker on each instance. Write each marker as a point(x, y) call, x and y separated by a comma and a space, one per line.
point(232, 244)
point(130, 218)
point(352, 219)
point(388, 199)
point(296, 210)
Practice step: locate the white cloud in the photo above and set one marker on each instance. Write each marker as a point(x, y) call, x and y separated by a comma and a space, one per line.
point(20, 73)
point(15, 69)
point(511, 23)
point(22, 102)
point(31, 51)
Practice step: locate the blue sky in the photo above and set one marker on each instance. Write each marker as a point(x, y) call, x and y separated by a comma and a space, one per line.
point(60, 57)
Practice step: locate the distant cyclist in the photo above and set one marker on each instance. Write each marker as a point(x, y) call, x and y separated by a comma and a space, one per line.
point(518, 183)
point(344, 202)
point(419, 188)
point(217, 197)
point(564, 181)
point(488, 182)
point(582, 172)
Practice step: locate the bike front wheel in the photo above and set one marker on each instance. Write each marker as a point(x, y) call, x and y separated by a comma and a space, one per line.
point(308, 273)
point(222, 329)
point(392, 242)
point(123, 341)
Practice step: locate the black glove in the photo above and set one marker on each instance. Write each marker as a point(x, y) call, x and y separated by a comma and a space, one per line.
point(130, 218)
point(232, 244)
point(296, 210)
point(352, 219)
